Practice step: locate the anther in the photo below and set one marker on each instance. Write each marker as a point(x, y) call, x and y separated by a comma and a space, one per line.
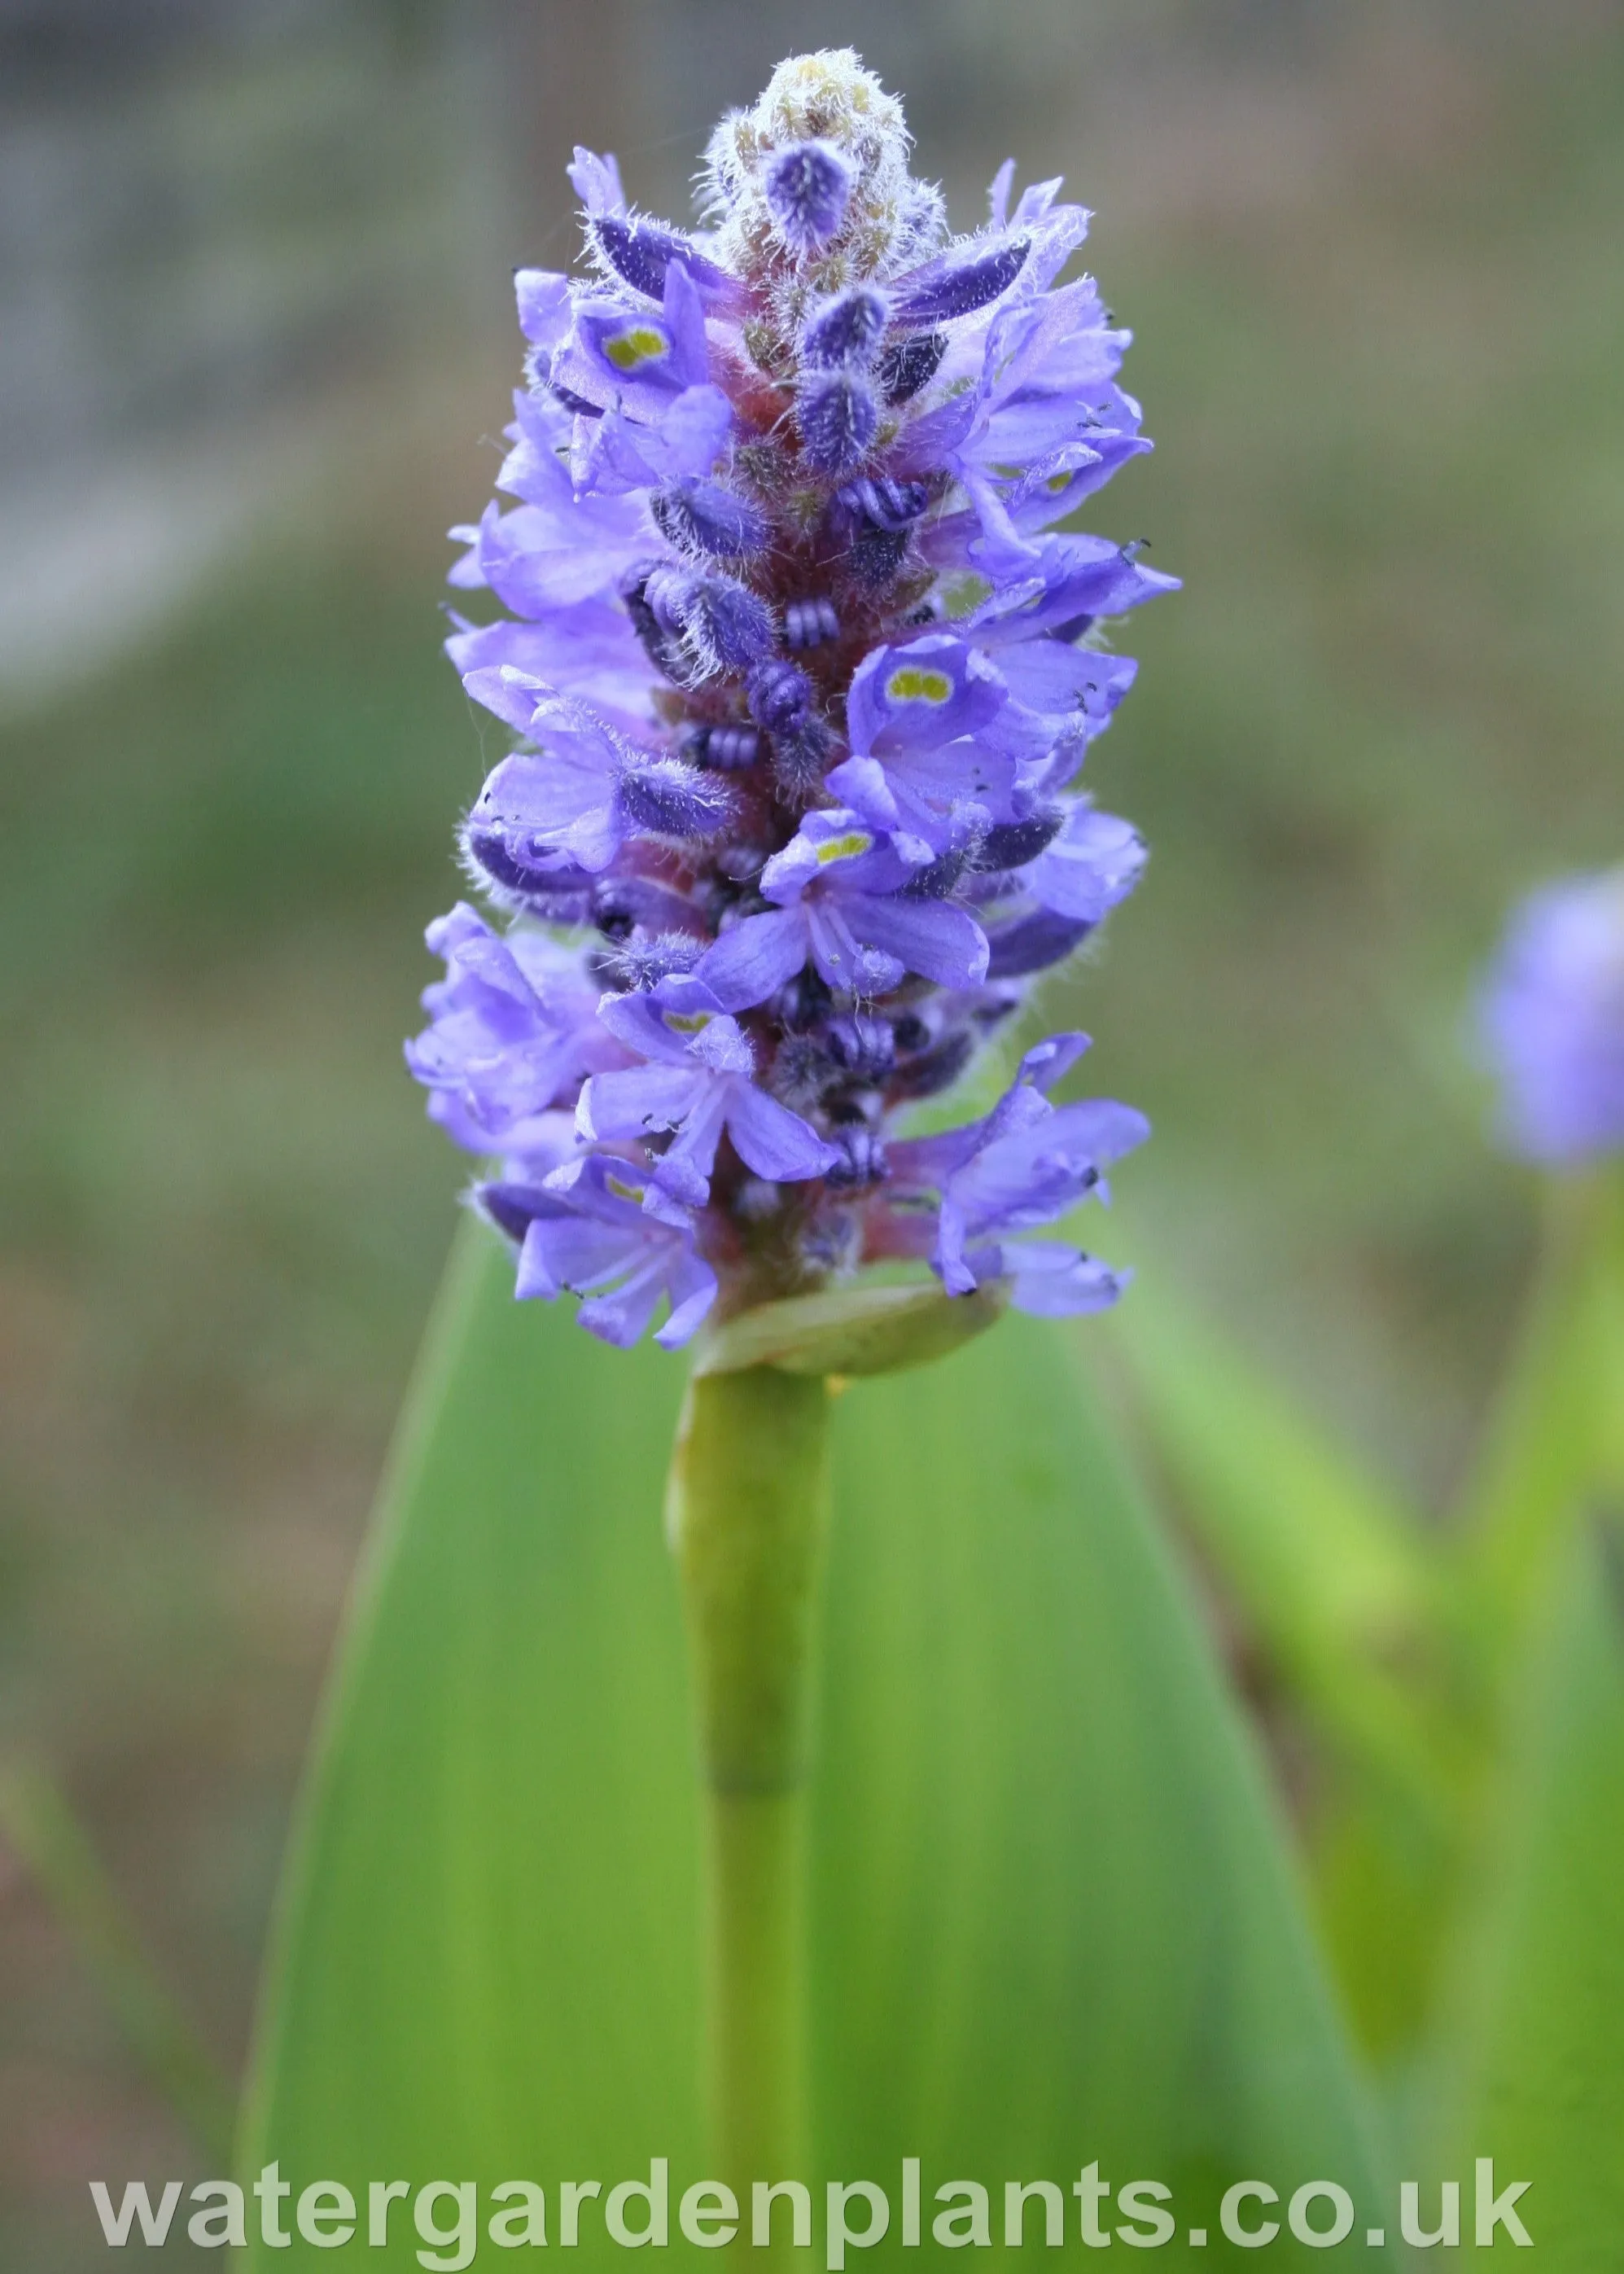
point(728, 750)
point(808, 623)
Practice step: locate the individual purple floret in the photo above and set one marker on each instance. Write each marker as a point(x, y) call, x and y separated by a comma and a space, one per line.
point(801, 660)
point(1553, 1021)
point(1025, 1164)
point(588, 1230)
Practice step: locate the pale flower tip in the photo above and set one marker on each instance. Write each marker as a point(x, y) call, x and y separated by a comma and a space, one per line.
point(813, 177)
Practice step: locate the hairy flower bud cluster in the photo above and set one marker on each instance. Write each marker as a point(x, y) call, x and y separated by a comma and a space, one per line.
point(1553, 1017)
point(801, 676)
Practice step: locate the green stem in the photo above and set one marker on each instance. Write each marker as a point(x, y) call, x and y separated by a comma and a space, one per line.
point(748, 1518)
point(41, 1827)
point(1544, 1448)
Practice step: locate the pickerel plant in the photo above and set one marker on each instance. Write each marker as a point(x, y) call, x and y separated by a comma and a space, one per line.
point(1550, 1027)
point(1552, 1017)
point(803, 677)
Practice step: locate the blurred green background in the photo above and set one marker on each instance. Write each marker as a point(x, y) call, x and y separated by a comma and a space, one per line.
point(252, 288)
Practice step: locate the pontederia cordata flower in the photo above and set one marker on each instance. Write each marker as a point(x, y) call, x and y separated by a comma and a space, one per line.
point(1553, 1019)
point(802, 676)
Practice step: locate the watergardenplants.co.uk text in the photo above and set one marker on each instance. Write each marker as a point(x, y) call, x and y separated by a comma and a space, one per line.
point(448, 2219)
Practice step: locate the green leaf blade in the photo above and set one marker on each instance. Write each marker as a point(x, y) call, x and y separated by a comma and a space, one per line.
point(1057, 1920)
point(1334, 1575)
point(1538, 2044)
point(1051, 1914)
point(450, 1992)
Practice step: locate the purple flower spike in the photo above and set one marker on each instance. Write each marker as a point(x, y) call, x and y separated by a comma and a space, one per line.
point(1552, 1023)
point(800, 669)
point(808, 187)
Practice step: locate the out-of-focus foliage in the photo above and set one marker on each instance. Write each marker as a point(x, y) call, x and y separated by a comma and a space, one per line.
point(1537, 2052)
point(1049, 1906)
point(1472, 1901)
point(1341, 1594)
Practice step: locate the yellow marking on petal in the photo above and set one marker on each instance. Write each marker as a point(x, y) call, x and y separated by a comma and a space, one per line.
point(912, 682)
point(638, 344)
point(623, 1191)
point(1057, 483)
point(843, 848)
point(688, 1022)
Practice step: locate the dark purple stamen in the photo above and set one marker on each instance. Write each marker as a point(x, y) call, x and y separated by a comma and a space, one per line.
point(639, 252)
point(513, 1208)
point(728, 749)
point(936, 1070)
point(780, 695)
point(864, 1162)
point(1033, 944)
point(809, 623)
point(1012, 844)
point(889, 505)
point(861, 1046)
point(909, 365)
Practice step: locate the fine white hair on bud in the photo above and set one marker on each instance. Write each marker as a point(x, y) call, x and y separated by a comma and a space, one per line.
point(819, 113)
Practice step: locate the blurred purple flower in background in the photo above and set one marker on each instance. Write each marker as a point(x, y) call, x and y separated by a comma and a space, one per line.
point(804, 679)
point(1553, 1019)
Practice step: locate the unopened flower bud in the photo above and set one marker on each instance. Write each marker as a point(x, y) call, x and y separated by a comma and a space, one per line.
point(807, 189)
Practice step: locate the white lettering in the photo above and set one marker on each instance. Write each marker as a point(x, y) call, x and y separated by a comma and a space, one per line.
point(1151, 2227)
point(455, 2250)
point(652, 2191)
point(136, 2204)
point(837, 2233)
point(1448, 2228)
point(1091, 2191)
point(1496, 2210)
point(321, 2204)
point(530, 2208)
point(955, 2229)
point(709, 2214)
point(762, 2199)
point(571, 2194)
point(200, 2227)
point(272, 2189)
point(1016, 2198)
point(379, 2196)
point(1320, 2237)
point(1247, 2238)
